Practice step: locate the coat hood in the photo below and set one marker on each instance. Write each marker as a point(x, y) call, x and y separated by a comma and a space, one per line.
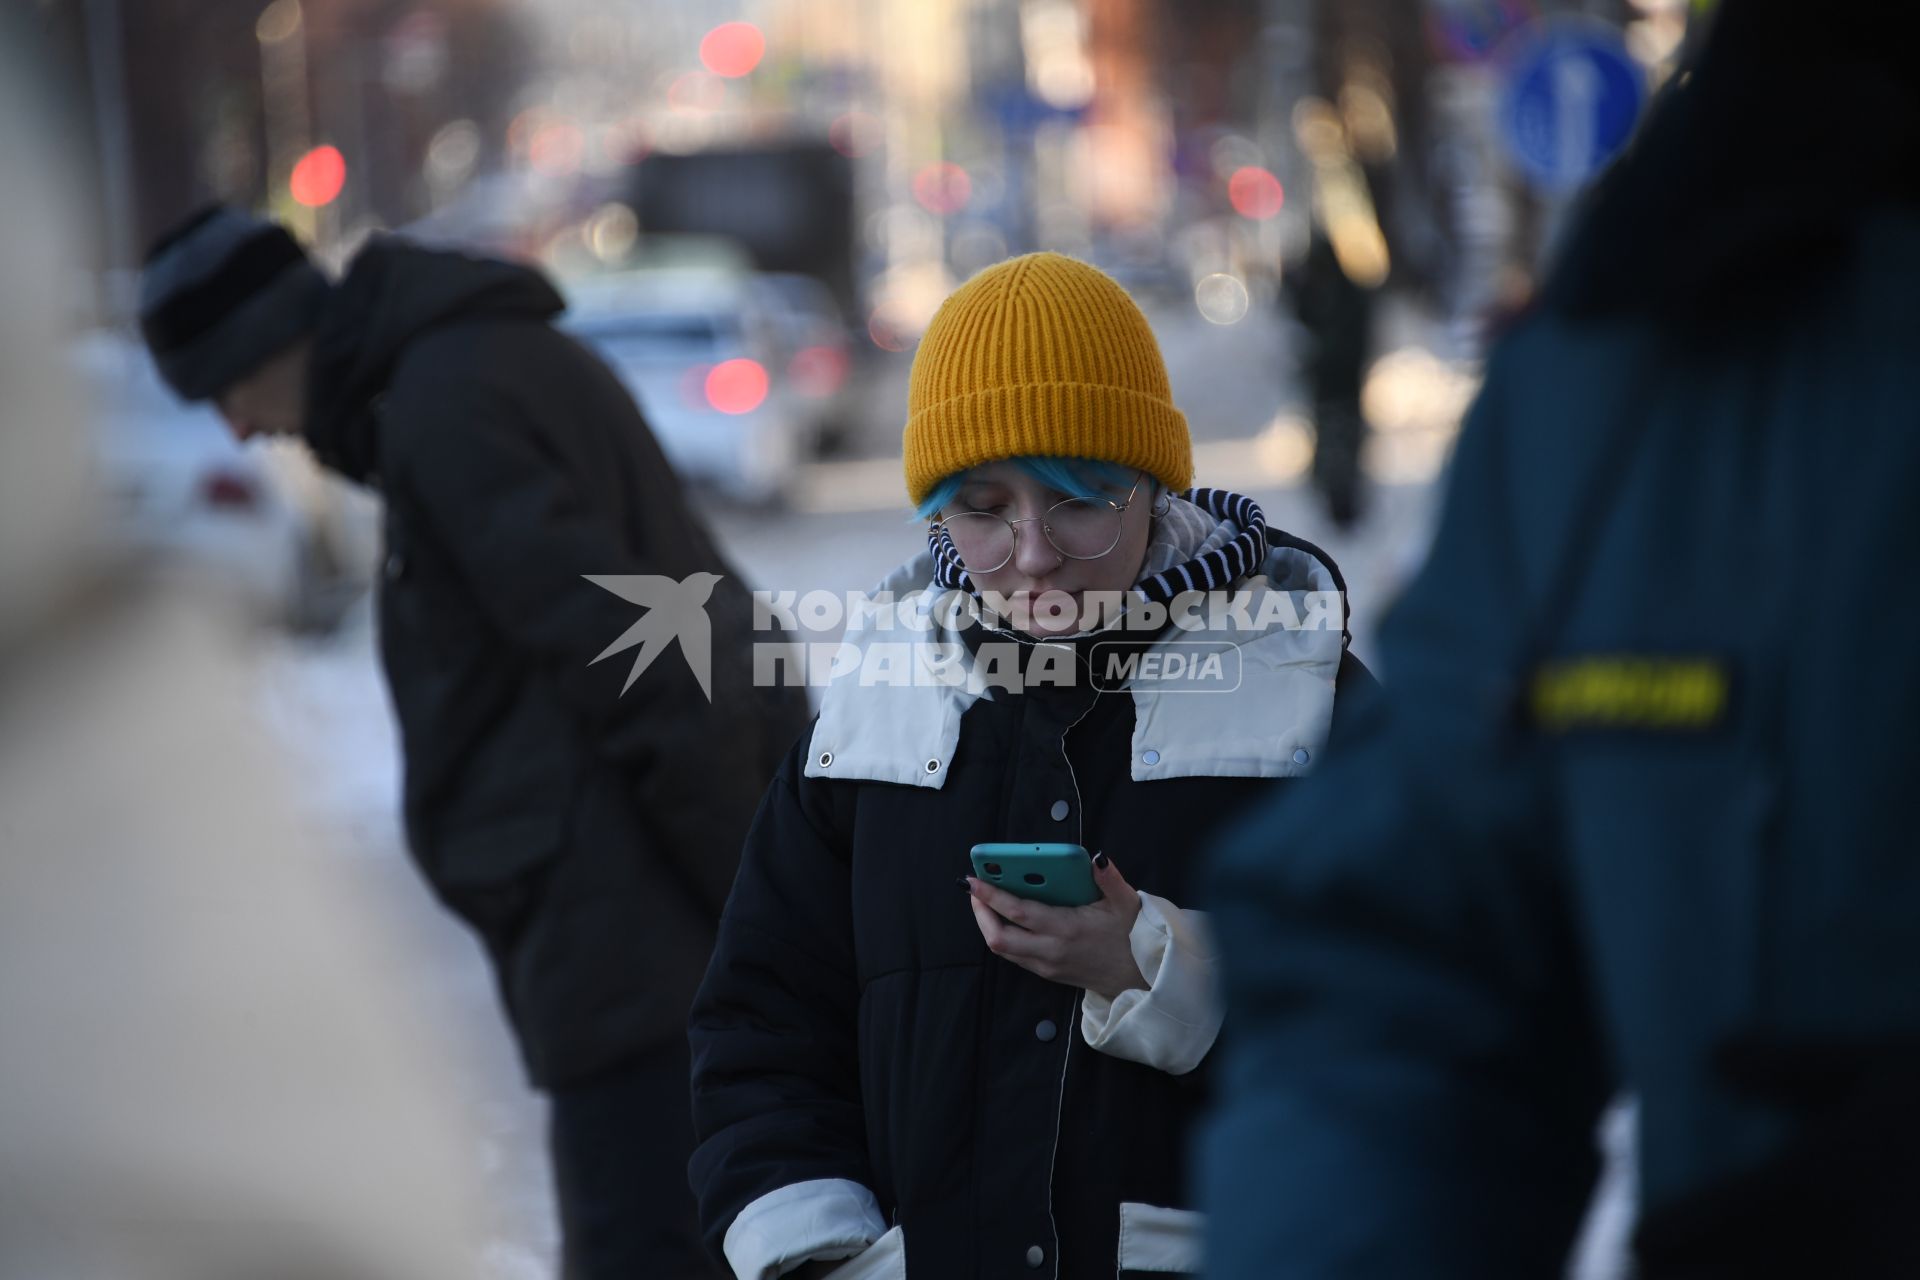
point(392, 294)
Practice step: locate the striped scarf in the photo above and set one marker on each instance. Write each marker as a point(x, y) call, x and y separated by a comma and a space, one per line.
point(1206, 541)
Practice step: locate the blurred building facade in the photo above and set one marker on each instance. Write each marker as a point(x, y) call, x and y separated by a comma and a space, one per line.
point(185, 101)
point(1160, 139)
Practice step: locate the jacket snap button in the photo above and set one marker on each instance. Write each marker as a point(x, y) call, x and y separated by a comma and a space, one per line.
point(933, 766)
point(1044, 1031)
point(826, 758)
point(1060, 810)
point(1301, 756)
point(1151, 757)
point(1036, 1256)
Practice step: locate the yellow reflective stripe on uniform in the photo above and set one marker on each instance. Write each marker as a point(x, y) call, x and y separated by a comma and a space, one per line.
point(1629, 692)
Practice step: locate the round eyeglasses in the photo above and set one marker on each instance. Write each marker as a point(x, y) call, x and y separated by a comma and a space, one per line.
point(1078, 528)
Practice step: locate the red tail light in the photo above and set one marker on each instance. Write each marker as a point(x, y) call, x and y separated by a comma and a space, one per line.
point(229, 491)
point(818, 371)
point(737, 386)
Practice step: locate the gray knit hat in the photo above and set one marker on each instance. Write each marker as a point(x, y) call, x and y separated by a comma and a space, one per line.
point(223, 293)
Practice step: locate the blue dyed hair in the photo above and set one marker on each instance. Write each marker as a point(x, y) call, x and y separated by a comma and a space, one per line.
point(1074, 477)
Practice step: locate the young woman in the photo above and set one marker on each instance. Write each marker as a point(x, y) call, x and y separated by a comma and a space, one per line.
point(896, 1062)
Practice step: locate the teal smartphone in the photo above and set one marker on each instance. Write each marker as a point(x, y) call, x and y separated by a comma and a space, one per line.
point(1059, 875)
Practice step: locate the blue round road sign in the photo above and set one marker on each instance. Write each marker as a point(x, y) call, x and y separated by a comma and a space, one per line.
point(1571, 97)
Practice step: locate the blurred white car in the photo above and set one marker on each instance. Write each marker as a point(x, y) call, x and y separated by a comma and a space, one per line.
point(700, 353)
point(297, 547)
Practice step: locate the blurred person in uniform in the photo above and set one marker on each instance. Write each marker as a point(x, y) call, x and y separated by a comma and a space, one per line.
point(585, 821)
point(206, 1072)
point(1633, 815)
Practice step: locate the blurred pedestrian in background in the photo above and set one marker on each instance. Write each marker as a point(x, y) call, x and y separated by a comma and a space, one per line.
point(968, 1083)
point(1633, 815)
point(586, 830)
point(1337, 313)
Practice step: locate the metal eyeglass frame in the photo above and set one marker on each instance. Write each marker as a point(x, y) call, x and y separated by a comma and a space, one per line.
point(1013, 533)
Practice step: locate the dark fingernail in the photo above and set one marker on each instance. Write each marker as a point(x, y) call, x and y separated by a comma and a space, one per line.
point(964, 883)
point(1100, 861)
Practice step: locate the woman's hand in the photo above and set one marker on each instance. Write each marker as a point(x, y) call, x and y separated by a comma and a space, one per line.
point(1085, 947)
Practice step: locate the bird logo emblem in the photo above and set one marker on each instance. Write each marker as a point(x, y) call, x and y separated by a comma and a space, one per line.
point(674, 611)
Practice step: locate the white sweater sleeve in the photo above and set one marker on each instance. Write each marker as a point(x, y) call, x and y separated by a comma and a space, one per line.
point(1171, 1025)
point(824, 1218)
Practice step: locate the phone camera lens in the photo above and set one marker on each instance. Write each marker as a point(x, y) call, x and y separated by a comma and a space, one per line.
point(991, 868)
point(1034, 877)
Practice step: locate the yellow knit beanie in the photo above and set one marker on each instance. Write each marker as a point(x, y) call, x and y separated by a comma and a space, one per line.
point(1041, 356)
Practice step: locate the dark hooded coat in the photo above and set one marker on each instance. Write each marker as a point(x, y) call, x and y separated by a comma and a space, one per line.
point(587, 831)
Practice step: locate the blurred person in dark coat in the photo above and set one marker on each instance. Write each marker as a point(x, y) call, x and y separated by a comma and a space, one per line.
point(1337, 313)
point(585, 821)
point(1633, 814)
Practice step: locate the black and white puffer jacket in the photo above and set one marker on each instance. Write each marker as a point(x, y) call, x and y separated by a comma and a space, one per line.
point(868, 1078)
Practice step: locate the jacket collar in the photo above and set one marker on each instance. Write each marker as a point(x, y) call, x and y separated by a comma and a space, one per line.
point(894, 712)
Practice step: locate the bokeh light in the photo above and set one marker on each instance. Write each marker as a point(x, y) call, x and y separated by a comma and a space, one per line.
point(1255, 193)
point(319, 177)
point(453, 154)
point(737, 386)
point(732, 49)
point(278, 21)
point(942, 188)
point(1232, 152)
point(818, 370)
point(1284, 450)
point(557, 149)
point(1366, 108)
point(612, 232)
point(1321, 132)
point(883, 335)
point(1222, 298)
